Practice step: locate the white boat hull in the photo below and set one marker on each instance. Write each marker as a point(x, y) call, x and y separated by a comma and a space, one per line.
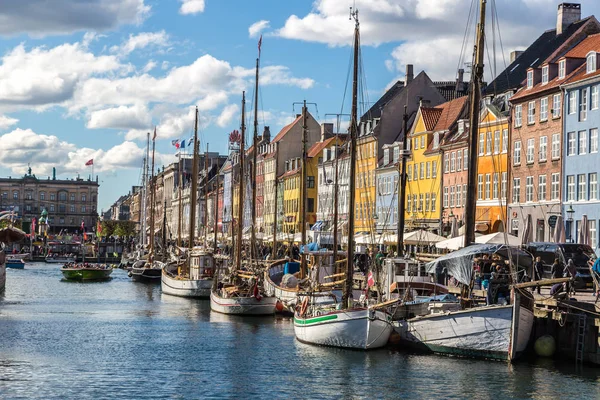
point(195, 288)
point(482, 332)
point(354, 329)
point(242, 305)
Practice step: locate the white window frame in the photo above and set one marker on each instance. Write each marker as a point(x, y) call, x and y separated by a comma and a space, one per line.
point(518, 115)
point(543, 148)
point(517, 153)
point(583, 98)
point(503, 185)
point(465, 159)
point(495, 185)
point(480, 187)
point(530, 155)
point(582, 137)
point(544, 109)
point(531, 113)
point(453, 162)
point(496, 142)
point(571, 143)
point(488, 143)
point(504, 140)
point(446, 163)
point(590, 62)
point(446, 196)
point(570, 188)
point(593, 186)
point(593, 144)
point(562, 69)
point(594, 97)
point(459, 160)
point(555, 146)
point(572, 102)
point(556, 105)
point(555, 187)
point(544, 74)
point(516, 190)
point(481, 143)
point(581, 187)
point(488, 186)
point(529, 79)
point(434, 169)
point(529, 189)
point(542, 188)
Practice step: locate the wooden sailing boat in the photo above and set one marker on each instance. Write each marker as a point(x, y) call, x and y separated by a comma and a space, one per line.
point(192, 276)
point(240, 292)
point(344, 325)
point(493, 331)
point(149, 269)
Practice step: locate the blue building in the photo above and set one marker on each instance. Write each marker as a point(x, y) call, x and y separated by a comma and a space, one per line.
point(581, 165)
point(387, 190)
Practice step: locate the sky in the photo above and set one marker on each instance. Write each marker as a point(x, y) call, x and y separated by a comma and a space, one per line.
point(87, 79)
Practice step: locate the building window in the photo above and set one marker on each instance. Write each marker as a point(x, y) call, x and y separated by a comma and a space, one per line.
point(453, 162)
point(452, 198)
point(503, 186)
point(434, 169)
point(458, 196)
point(542, 188)
point(83, 198)
point(42, 196)
point(544, 109)
point(426, 201)
point(446, 163)
point(62, 196)
point(572, 102)
point(582, 187)
point(594, 90)
point(495, 187)
point(592, 228)
point(583, 105)
point(530, 150)
point(518, 115)
point(310, 205)
point(433, 198)
point(310, 181)
point(590, 65)
point(428, 169)
point(466, 159)
point(593, 182)
point(529, 79)
point(555, 186)
point(504, 140)
point(72, 197)
point(571, 144)
point(562, 68)
point(51, 207)
point(582, 142)
point(416, 172)
point(531, 112)
point(488, 149)
point(556, 106)
point(445, 196)
point(459, 160)
point(543, 150)
point(488, 186)
point(571, 188)
point(516, 190)
point(28, 207)
point(479, 187)
point(517, 153)
point(594, 140)
point(28, 196)
point(481, 143)
point(15, 195)
point(422, 171)
point(544, 74)
point(72, 208)
point(464, 197)
point(496, 142)
point(409, 172)
point(555, 146)
point(529, 189)
point(61, 221)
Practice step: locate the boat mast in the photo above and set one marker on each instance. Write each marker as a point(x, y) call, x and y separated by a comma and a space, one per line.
point(216, 209)
point(240, 221)
point(303, 194)
point(274, 250)
point(475, 98)
point(402, 188)
point(346, 298)
point(335, 202)
point(144, 213)
point(194, 189)
point(254, 153)
point(180, 203)
point(164, 229)
point(205, 219)
point(152, 199)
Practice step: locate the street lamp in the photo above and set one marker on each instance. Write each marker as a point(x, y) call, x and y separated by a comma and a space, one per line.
point(570, 213)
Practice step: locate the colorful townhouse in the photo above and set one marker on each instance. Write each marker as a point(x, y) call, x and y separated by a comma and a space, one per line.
point(455, 147)
point(492, 170)
point(381, 125)
point(424, 167)
point(536, 163)
point(386, 215)
point(581, 160)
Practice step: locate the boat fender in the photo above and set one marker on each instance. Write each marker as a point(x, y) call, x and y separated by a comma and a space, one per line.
point(318, 313)
point(304, 306)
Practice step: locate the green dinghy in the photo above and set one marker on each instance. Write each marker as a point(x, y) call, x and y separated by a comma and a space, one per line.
point(86, 272)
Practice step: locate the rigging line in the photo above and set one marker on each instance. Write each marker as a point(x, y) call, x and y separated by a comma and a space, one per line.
point(465, 36)
point(495, 11)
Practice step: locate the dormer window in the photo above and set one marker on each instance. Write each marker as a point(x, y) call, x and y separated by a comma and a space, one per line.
point(529, 79)
point(386, 156)
point(461, 127)
point(591, 62)
point(544, 74)
point(436, 140)
point(562, 69)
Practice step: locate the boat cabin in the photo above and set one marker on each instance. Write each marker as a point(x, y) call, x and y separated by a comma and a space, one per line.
point(202, 264)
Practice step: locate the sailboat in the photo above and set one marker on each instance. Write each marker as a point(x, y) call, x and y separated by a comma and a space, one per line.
point(192, 275)
point(149, 269)
point(346, 325)
point(492, 331)
point(7, 235)
point(240, 292)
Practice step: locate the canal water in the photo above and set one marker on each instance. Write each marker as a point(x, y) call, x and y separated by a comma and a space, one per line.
point(120, 339)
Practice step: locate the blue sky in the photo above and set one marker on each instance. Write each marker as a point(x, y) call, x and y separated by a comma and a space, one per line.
point(86, 79)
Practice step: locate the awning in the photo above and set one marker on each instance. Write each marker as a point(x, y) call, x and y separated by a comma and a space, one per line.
point(317, 226)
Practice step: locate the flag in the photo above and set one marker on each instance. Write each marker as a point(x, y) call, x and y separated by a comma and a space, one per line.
point(82, 226)
point(154, 137)
point(98, 228)
point(182, 144)
point(370, 280)
point(190, 142)
point(259, 44)
point(89, 162)
point(33, 221)
point(175, 143)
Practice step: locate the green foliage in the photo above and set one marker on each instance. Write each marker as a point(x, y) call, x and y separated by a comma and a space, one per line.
point(117, 228)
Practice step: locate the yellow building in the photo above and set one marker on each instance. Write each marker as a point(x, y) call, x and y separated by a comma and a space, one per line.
point(424, 167)
point(492, 171)
point(365, 195)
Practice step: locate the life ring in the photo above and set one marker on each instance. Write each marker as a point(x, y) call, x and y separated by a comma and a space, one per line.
point(304, 306)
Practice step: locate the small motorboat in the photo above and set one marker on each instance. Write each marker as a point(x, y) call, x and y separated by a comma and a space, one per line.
point(15, 263)
point(86, 272)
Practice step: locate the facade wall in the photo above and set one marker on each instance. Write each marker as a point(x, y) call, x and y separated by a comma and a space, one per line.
point(366, 164)
point(455, 184)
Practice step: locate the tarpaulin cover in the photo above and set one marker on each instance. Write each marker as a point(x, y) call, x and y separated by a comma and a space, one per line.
point(459, 263)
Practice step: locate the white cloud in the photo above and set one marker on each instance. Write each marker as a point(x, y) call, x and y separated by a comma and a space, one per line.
point(22, 147)
point(191, 7)
point(256, 28)
point(7, 122)
point(150, 65)
point(43, 17)
point(227, 115)
point(141, 41)
point(122, 117)
point(164, 65)
point(42, 76)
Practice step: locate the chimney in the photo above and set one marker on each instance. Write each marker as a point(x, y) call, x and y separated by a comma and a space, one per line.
point(514, 55)
point(460, 79)
point(409, 74)
point(53, 173)
point(326, 131)
point(568, 13)
point(267, 134)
